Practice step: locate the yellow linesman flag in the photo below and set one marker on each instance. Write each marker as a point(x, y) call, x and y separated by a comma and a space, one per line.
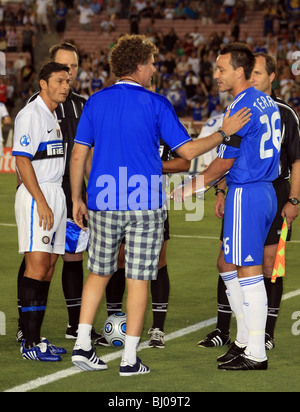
point(279, 265)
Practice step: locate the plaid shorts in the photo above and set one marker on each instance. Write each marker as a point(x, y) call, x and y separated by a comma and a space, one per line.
point(143, 231)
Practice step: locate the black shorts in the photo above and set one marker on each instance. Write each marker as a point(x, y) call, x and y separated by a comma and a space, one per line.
point(282, 189)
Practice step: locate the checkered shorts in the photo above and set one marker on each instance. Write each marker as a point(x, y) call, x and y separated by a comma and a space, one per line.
point(143, 231)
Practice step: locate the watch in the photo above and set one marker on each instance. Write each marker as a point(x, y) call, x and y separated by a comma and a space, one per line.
point(222, 133)
point(294, 201)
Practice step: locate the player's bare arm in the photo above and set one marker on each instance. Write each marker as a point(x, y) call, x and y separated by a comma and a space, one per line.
point(24, 166)
point(230, 126)
point(220, 199)
point(77, 169)
point(215, 170)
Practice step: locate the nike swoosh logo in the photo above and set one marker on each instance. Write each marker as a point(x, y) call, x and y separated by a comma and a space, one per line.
point(49, 131)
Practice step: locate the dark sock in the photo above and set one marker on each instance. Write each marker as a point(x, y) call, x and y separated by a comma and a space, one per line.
point(224, 309)
point(160, 290)
point(115, 291)
point(72, 282)
point(32, 310)
point(20, 278)
point(274, 293)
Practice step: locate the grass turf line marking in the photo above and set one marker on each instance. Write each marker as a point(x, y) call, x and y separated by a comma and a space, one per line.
point(36, 383)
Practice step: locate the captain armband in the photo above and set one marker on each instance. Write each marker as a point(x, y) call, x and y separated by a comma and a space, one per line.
point(233, 140)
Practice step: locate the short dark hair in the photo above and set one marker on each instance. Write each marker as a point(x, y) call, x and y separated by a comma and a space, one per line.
point(62, 46)
point(271, 65)
point(129, 52)
point(51, 67)
point(241, 56)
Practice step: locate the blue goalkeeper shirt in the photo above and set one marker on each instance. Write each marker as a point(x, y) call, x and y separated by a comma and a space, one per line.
point(124, 123)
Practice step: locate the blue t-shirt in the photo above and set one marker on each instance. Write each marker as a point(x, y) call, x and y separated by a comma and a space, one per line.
point(124, 123)
point(257, 158)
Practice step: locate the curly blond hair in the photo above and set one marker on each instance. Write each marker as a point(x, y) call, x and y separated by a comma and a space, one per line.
point(129, 52)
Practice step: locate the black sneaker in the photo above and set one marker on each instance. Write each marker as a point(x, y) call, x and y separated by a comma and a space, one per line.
point(269, 342)
point(242, 363)
point(233, 351)
point(215, 338)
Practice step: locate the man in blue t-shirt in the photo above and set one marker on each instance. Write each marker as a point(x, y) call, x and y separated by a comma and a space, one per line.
point(124, 123)
point(252, 159)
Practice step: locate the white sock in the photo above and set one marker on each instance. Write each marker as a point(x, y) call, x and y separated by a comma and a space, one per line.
point(255, 312)
point(130, 348)
point(236, 300)
point(84, 336)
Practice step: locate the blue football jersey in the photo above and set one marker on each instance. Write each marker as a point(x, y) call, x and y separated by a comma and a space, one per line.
point(124, 123)
point(257, 158)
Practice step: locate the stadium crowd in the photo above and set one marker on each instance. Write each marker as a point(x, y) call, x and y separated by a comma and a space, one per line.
point(185, 64)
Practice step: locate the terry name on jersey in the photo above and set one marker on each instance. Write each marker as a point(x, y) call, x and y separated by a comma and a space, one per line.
point(264, 102)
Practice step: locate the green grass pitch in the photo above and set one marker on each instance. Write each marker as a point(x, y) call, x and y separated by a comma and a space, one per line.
point(181, 367)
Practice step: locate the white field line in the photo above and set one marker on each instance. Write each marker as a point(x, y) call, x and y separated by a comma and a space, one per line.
point(34, 384)
point(175, 236)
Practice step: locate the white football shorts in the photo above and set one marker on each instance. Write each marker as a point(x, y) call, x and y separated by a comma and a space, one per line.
point(32, 237)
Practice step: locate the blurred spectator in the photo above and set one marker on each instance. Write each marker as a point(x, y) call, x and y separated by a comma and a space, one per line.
point(85, 16)
point(179, 11)
point(3, 90)
point(12, 38)
point(169, 13)
point(148, 11)
point(3, 37)
point(205, 67)
point(28, 40)
point(190, 84)
point(134, 20)
point(188, 45)
point(95, 6)
point(140, 5)
point(108, 25)
point(61, 17)
point(112, 8)
point(170, 39)
point(42, 15)
point(269, 17)
point(294, 100)
point(29, 17)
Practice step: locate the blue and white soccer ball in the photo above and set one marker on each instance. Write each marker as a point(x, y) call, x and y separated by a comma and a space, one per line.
point(114, 329)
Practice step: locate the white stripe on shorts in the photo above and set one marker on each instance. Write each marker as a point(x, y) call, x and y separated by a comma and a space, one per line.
point(237, 227)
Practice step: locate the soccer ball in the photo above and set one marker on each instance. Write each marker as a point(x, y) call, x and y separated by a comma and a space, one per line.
point(114, 329)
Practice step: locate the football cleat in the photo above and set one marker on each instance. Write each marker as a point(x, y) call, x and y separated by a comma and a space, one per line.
point(137, 369)
point(87, 360)
point(156, 338)
point(269, 342)
point(233, 351)
point(40, 352)
point(101, 341)
point(19, 335)
point(215, 338)
point(71, 332)
point(54, 349)
point(243, 363)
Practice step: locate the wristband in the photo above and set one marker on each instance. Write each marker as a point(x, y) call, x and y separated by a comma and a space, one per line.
point(220, 191)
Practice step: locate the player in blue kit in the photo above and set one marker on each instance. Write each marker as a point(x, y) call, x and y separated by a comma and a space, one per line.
point(252, 159)
point(125, 197)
